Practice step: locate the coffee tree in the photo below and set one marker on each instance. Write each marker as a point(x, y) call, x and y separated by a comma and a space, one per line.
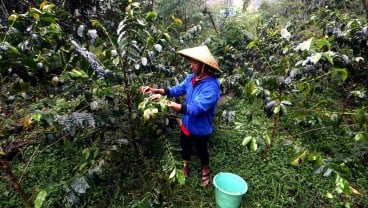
point(81, 87)
point(289, 70)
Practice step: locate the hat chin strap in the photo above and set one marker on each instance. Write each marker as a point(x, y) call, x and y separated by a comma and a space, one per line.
point(202, 73)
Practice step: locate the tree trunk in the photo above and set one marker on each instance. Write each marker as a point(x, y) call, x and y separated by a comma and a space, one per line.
point(212, 21)
point(245, 5)
point(13, 181)
point(205, 11)
point(365, 5)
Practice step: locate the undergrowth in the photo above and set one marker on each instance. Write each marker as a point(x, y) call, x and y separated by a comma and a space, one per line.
point(131, 181)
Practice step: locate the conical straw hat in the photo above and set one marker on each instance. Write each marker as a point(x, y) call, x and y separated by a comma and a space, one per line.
point(201, 54)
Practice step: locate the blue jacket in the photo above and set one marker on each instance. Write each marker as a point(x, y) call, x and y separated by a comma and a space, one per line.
point(200, 103)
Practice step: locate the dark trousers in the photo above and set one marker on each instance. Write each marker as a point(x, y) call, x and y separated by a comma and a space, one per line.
point(201, 147)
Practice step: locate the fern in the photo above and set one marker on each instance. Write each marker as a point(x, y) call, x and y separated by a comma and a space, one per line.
point(83, 120)
point(92, 60)
point(191, 34)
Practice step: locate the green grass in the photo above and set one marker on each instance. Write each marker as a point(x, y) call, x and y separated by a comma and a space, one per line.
point(272, 182)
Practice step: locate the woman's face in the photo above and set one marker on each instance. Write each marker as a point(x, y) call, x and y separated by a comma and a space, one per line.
point(196, 66)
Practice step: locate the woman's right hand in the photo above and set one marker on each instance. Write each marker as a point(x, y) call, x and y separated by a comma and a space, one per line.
point(154, 97)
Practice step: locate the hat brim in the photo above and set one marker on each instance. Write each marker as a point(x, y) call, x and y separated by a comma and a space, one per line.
point(201, 54)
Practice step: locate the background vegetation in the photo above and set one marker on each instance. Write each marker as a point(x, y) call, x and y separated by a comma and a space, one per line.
point(76, 132)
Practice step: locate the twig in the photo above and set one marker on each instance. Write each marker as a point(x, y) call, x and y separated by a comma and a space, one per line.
point(3, 8)
point(28, 163)
point(61, 138)
point(317, 129)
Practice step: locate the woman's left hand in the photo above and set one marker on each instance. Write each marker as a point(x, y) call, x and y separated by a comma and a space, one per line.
point(173, 105)
point(146, 90)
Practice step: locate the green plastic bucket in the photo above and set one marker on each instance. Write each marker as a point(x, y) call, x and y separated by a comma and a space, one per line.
point(229, 190)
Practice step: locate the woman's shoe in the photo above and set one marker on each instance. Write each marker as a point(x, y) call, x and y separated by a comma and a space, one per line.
point(185, 172)
point(205, 179)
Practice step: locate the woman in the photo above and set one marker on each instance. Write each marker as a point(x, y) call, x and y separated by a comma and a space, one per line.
point(202, 91)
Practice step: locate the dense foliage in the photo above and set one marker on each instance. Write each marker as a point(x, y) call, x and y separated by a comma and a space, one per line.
point(76, 132)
